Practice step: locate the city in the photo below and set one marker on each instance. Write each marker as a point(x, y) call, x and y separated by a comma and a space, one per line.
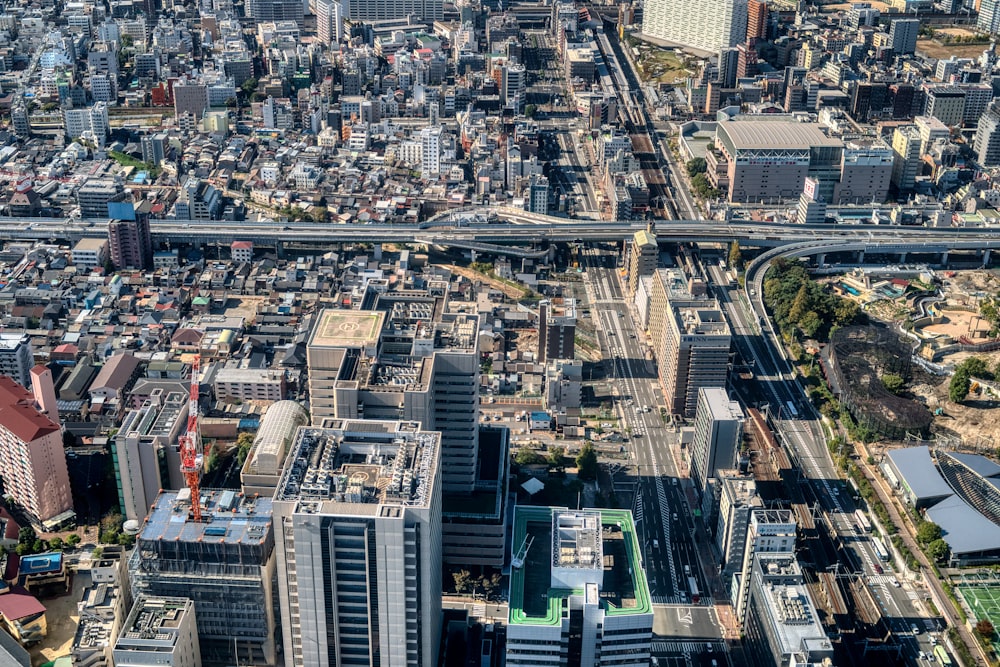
point(473, 333)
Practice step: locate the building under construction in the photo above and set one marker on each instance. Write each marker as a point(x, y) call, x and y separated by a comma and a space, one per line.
point(223, 563)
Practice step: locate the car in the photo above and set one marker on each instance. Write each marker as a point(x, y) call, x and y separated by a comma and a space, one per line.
point(611, 333)
point(497, 418)
point(708, 647)
point(878, 568)
point(915, 629)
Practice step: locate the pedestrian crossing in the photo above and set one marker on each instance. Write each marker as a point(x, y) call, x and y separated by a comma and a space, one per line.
point(881, 579)
point(705, 600)
point(686, 647)
point(479, 610)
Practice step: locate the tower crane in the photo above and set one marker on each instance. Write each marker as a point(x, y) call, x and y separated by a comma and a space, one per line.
point(190, 444)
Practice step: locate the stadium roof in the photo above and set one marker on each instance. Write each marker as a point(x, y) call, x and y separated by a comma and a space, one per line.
point(760, 133)
point(964, 529)
point(980, 465)
point(919, 473)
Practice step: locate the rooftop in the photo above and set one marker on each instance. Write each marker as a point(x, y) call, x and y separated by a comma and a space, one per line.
point(347, 328)
point(227, 517)
point(18, 414)
point(154, 619)
point(758, 132)
point(356, 466)
point(607, 539)
point(919, 473)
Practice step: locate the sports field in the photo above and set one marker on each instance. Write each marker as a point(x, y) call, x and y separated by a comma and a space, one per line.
point(982, 596)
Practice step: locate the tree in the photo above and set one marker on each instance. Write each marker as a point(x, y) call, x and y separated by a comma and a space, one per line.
point(586, 462)
point(318, 214)
point(73, 539)
point(959, 386)
point(893, 383)
point(976, 367)
point(463, 581)
point(26, 535)
point(243, 444)
point(985, 629)
point(529, 110)
point(810, 323)
point(938, 550)
point(249, 87)
point(800, 306)
point(526, 456)
point(696, 166)
point(56, 544)
point(490, 584)
point(928, 531)
point(735, 255)
point(555, 458)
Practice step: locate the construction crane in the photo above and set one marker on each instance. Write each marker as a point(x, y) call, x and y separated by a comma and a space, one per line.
point(190, 443)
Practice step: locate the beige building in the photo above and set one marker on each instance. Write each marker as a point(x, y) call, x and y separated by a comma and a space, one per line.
point(90, 253)
point(644, 253)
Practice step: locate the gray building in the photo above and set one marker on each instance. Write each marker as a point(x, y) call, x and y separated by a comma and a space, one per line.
point(275, 10)
point(737, 499)
point(94, 196)
point(359, 545)
point(159, 631)
point(769, 531)
point(192, 98)
point(903, 35)
point(718, 432)
point(987, 142)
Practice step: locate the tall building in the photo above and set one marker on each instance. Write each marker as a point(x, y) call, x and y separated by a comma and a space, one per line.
point(430, 151)
point(92, 120)
point(987, 143)
point(266, 11)
point(989, 16)
point(536, 194)
point(358, 511)
point(578, 590)
point(710, 25)
point(144, 453)
point(329, 21)
point(192, 98)
point(906, 157)
point(947, 104)
point(32, 460)
point(718, 433)
point(225, 564)
point(865, 172)
point(131, 243)
point(556, 330)
point(903, 36)
point(381, 10)
point(159, 631)
point(643, 255)
point(769, 531)
point(154, 148)
point(16, 357)
point(44, 390)
point(95, 195)
point(737, 499)
point(756, 20)
point(690, 341)
point(782, 625)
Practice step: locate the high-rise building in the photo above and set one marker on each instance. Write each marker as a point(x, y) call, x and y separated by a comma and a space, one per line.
point(192, 98)
point(556, 330)
point(159, 631)
point(358, 516)
point(32, 460)
point(16, 357)
point(865, 172)
point(329, 21)
point(782, 625)
point(381, 10)
point(737, 498)
point(44, 390)
point(430, 151)
point(131, 243)
point(903, 35)
point(578, 590)
point(710, 25)
point(536, 194)
point(225, 564)
point(989, 16)
point(266, 11)
point(643, 255)
point(718, 433)
point(92, 120)
point(95, 195)
point(154, 148)
point(906, 157)
point(987, 143)
point(947, 104)
point(769, 531)
point(756, 20)
point(690, 341)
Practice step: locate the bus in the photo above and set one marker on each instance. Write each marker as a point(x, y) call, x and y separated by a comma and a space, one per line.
point(863, 523)
point(880, 549)
point(793, 413)
point(693, 584)
point(942, 655)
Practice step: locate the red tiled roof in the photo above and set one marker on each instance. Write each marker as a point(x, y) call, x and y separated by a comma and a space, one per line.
point(19, 603)
point(18, 414)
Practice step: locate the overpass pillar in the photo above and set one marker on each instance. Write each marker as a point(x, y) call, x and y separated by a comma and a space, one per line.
point(821, 259)
point(378, 251)
point(902, 258)
point(279, 249)
point(861, 257)
point(944, 258)
point(986, 257)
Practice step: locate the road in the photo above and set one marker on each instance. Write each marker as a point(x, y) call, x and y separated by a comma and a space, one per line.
point(666, 525)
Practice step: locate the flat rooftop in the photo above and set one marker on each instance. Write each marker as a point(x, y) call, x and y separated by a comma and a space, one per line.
point(358, 465)
point(154, 619)
point(760, 133)
point(227, 516)
point(347, 328)
point(533, 600)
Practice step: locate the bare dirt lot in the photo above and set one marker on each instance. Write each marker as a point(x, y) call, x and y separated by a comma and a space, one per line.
point(62, 617)
point(976, 421)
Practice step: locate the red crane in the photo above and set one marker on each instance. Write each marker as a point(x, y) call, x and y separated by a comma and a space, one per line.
point(190, 443)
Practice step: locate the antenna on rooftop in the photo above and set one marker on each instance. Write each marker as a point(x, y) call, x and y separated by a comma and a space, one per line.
point(518, 561)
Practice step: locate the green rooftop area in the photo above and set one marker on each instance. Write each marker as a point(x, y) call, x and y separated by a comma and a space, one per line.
point(532, 599)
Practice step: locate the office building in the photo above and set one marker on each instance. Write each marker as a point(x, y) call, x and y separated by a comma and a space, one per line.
point(978, 97)
point(32, 460)
point(578, 590)
point(769, 531)
point(381, 10)
point(865, 172)
point(810, 211)
point(989, 16)
point(711, 25)
point(643, 256)
point(235, 385)
point(95, 195)
point(931, 129)
point(329, 21)
point(947, 104)
point(903, 36)
point(89, 122)
point(192, 98)
point(270, 447)
point(159, 631)
point(144, 452)
point(756, 20)
point(359, 545)
point(987, 142)
point(131, 243)
point(16, 357)
point(737, 499)
point(430, 151)
point(767, 159)
point(906, 157)
point(536, 194)
point(782, 625)
point(690, 341)
point(556, 330)
point(718, 434)
point(268, 11)
point(225, 564)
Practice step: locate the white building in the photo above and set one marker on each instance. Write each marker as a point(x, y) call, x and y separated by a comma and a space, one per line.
point(718, 432)
point(329, 21)
point(702, 24)
point(769, 531)
point(358, 511)
point(159, 631)
point(16, 357)
point(249, 384)
point(92, 120)
point(430, 151)
point(90, 253)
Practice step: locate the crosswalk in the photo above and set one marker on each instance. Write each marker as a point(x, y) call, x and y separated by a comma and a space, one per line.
point(479, 610)
point(686, 647)
point(705, 600)
point(881, 579)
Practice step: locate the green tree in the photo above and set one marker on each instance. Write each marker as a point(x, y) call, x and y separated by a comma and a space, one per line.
point(26, 535)
point(527, 456)
point(938, 550)
point(928, 531)
point(73, 539)
point(586, 462)
point(529, 110)
point(56, 544)
point(800, 306)
point(959, 386)
point(318, 213)
point(893, 383)
point(976, 367)
point(463, 581)
point(555, 458)
point(735, 256)
point(243, 444)
point(810, 323)
point(696, 166)
point(249, 87)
